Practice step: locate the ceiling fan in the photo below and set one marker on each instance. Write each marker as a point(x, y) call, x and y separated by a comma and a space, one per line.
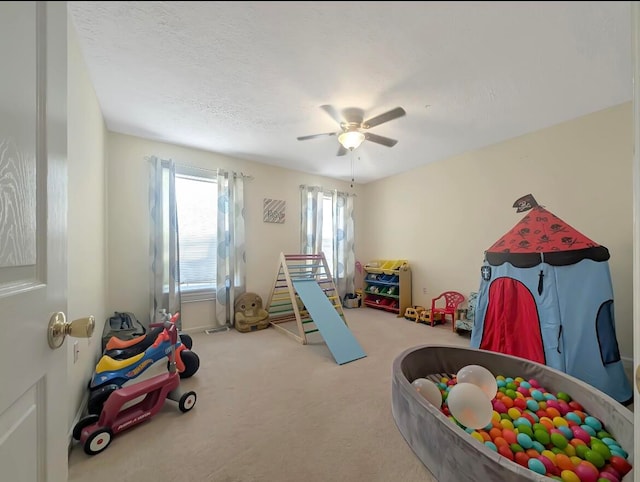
point(353, 127)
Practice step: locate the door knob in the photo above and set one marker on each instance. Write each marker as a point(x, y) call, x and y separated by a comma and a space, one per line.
point(59, 328)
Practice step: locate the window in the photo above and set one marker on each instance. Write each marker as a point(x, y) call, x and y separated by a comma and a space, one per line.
point(327, 231)
point(327, 226)
point(197, 210)
point(331, 235)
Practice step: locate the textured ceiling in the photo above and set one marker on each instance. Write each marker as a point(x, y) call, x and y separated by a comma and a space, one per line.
point(247, 78)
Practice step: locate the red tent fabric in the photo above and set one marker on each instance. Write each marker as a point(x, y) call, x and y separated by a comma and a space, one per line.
point(541, 236)
point(511, 323)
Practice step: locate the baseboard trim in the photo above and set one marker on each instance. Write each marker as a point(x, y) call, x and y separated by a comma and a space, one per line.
point(76, 419)
point(627, 363)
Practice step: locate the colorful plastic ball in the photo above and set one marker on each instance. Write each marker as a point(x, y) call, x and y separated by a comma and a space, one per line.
point(542, 436)
point(609, 468)
point(602, 449)
point(537, 466)
point(563, 407)
point(516, 448)
point(581, 434)
point(537, 395)
point(569, 476)
point(566, 431)
point(522, 458)
point(620, 464)
point(491, 445)
point(514, 413)
point(558, 440)
point(505, 451)
point(548, 465)
point(538, 446)
point(524, 440)
point(594, 423)
point(534, 383)
point(563, 396)
point(511, 393)
point(505, 423)
point(498, 406)
point(520, 403)
point(526, 430)
point(595, 458)
point(581, 451)
point(607, 477)
point(571, 416)
point(522, 421)
point(509, 435)
point(607, 440)
point(563, 462)
point(585, 473)
point(575, 405)
point(532, 405)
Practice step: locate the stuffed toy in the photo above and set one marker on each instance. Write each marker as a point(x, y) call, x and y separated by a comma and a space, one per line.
point(249, 313)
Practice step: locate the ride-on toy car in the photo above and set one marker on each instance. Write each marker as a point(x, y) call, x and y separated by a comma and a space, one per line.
point(95, 431)
point(115, 368)
point(120, 349)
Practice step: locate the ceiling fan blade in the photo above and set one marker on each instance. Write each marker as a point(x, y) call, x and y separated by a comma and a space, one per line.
point(341, 151)
point(313, 136)
point(385, 141)
point(385, 117)
point(335, 115)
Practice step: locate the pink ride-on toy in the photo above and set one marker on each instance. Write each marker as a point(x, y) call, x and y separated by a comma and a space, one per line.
point(96, 431)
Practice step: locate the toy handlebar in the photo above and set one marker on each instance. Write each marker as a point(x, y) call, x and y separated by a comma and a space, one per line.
point(170, 326)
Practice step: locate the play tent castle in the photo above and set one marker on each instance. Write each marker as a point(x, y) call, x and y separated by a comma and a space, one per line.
point(546, 295)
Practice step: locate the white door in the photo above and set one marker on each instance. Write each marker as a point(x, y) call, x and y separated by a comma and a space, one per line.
point(33, 148)
point(635, 52)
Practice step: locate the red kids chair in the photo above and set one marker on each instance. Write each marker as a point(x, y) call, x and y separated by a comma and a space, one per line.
point(452, 300)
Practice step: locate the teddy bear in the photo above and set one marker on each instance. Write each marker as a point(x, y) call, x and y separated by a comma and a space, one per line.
point(249, 313)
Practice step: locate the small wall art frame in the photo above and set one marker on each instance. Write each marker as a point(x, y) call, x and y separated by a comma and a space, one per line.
point(273, 211)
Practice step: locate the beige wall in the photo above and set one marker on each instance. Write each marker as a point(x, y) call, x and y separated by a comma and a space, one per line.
point(128, 234)
point(86, 221)
point(442, 217)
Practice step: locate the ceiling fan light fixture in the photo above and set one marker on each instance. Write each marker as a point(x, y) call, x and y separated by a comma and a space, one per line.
point(351, 139)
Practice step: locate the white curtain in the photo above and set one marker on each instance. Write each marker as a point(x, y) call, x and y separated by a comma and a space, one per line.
point(231, 275)
point(344, 256)
point(341, 260)
point(311, 202)
point(164, 256)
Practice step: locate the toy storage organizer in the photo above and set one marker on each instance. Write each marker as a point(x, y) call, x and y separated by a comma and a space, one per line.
point(387, 285)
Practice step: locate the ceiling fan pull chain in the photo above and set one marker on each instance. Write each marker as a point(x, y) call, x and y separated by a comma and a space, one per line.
point(352, 169)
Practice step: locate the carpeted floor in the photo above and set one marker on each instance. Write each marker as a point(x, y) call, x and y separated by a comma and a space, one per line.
point(271, 409)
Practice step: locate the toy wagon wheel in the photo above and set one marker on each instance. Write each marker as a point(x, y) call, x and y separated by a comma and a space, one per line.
point(187, 401)
point(82, 423)
point(98, 441)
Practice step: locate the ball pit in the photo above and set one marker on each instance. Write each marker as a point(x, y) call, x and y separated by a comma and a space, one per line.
point(545, 424)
